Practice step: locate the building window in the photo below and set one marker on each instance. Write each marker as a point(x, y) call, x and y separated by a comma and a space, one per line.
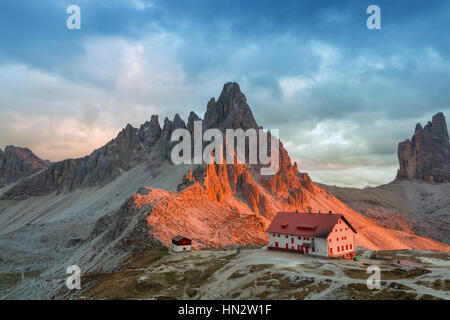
point(286, 236)
point(278, 236)
point(287, 246)
point(331, 250)
point(307, 238)
point(338, 249)
point(350, 247)
point(329, 240)
point(299, 238)
point(276, 244)
point(313, 250)
point(337, 239)
point(312, 239)
point(342, 248)
point(292, 240)
point(346, 247)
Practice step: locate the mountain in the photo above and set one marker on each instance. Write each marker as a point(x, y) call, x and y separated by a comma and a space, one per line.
point(426, 157)
point(149, 144)
point(418, 200)
point(409, 206)
point(17, 163)
point(127, 197)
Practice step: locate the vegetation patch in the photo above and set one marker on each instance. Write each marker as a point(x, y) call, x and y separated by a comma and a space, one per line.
point(237, 274)
point(260, 267)
point(314, 288)
point(360, 291)
point(386, 274)
point(398, 273)
point(170, 277)
point(145, 258)
point(9, 280)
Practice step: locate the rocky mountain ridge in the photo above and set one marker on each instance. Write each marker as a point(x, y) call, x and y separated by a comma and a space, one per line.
point(417, 201)
point(17, 163)
point(426, 156)
point(127, 197)
point(238, 191)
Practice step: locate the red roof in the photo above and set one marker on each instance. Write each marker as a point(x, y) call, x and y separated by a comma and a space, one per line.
point(180, 240)
point(305, 224)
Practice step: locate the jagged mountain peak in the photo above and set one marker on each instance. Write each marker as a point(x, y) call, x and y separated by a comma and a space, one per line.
point(192, 118)
point(232, 89)
point(426, 156)
point(217, 203)
point(438, 126)
point(17, 163)
point(149, 144)
point(21, 152)
point(178, 122)
point(231, 110)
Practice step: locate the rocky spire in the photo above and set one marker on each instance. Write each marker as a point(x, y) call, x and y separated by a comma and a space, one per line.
point(192, 118)
point(426, 156)
point(230, 111)
point(178, 123)
point(150, 132)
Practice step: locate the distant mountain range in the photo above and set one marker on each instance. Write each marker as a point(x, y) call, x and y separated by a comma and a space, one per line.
point(96, 211)
point(418, 201)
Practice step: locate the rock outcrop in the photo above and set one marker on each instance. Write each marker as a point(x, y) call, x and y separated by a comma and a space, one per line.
point(17, 163)
point(231, 110)
point(148, 144)
point(426, 156)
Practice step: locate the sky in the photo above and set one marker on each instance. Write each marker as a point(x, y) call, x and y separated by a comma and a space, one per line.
point(342, 95)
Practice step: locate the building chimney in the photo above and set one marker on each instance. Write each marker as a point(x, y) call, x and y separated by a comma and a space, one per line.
point(329, 212)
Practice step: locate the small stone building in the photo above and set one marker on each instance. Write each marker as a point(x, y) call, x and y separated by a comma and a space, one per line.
point(180, 244)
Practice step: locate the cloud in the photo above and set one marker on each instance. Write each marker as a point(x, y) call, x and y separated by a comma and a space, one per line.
point(359, 177)
point(342, 96)
point(126, 82)
point(141, 5)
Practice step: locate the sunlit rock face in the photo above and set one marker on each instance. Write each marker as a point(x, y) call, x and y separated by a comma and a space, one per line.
point(288, 189)
point(426, 156)
point(229, 204)
point(17, 163)
point(212, 204)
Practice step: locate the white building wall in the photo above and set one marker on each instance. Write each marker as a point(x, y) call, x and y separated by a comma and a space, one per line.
point(321, 247)
point(176, 248)
point(295, 243)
